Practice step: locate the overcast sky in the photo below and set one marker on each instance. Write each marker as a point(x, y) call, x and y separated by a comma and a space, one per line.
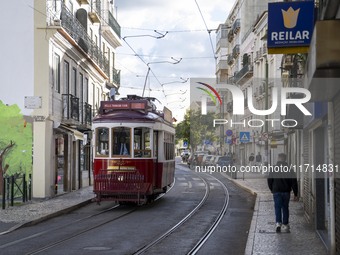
point(187, 39)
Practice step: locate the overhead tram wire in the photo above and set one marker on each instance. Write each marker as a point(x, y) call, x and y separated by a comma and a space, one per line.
point(137, 55)
point(208, 30)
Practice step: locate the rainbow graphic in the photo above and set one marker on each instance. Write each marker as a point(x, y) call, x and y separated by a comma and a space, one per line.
point(210, 92)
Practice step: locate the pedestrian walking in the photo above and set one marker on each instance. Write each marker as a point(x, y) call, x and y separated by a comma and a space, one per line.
point(251, 159)
point(281, 183)
point(258, 158)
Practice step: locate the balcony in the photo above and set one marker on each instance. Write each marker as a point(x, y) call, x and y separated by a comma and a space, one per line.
point(73, 30)
point(222, 65)
point(230, 59)
point(236, 51)
point(70, 109)
point(236, 26)
point(114, 81)
point(244, 74)
point(230, 35)
point(75, 114)
point(111, 29)
point(95, 10)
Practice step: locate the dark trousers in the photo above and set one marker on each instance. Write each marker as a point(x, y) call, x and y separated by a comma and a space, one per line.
point(281, 203)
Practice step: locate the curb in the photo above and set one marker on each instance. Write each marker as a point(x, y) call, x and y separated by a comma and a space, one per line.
point(46, 217)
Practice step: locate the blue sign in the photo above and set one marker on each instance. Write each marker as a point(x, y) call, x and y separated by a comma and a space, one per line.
point(244, 137)
point(228, 140)
point(229, 132)
point(185, 144)
point(290, 24)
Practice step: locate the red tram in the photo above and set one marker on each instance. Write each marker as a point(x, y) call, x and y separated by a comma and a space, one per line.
point(134, 151)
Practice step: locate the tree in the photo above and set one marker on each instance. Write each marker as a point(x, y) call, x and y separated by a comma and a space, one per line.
point(195, 128)
point(15, 142)
point(183, 129)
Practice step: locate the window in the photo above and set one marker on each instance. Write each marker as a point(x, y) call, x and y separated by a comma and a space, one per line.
point(169, 146)
point(56, 72)
point(66, 77)
point(74, 82)
point(121, 141)
point(141, 138)
point(86, 90)
point(81, 96)
point(102, 142)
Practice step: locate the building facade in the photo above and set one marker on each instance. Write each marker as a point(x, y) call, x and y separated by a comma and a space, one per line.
point(74, 69)
point(242, 60)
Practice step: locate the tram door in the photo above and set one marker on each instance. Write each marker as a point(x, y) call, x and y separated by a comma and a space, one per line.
point(155, 155)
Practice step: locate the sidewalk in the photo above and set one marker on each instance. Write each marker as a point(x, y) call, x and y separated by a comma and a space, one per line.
point(262, 238)
point(38, 210)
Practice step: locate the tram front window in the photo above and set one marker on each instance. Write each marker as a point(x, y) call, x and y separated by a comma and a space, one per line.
point(141, 139)
point(102, 142)
point(121, 141)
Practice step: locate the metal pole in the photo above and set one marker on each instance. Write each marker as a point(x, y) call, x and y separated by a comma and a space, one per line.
point(266, 149)
point(12, 190)
point(4, 194)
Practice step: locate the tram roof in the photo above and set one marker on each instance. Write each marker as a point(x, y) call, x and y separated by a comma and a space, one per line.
point(132, 109)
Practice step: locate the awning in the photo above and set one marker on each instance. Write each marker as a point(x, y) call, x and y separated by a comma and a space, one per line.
point(77, 135)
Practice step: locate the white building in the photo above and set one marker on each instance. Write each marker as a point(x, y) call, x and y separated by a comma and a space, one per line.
point(242, 61)
point(74, 60)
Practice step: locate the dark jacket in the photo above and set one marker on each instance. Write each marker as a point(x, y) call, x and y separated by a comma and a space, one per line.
point(281, 181)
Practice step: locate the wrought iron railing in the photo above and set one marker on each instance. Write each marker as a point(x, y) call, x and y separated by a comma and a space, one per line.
point(87, 114)
point(236, 50)
point(246, 69)
point(116, 76)
point(112, 22)
point(70, 107)
point(59, 14)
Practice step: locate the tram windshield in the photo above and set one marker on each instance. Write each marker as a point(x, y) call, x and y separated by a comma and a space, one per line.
point(121, 141)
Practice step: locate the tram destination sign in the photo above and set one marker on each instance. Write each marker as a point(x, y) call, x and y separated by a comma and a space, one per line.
point(290, 25)
point(123, 105)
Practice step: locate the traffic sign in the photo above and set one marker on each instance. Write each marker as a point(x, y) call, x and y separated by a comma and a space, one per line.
point(185, 144)
point(229, 132)
point(265, 136)
point(244, 137)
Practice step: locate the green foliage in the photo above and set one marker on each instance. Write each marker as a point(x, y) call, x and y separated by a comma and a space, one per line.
point(14, 128)
point(195, 128)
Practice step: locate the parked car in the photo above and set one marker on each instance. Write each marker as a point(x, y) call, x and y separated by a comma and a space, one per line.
point(207, 159)
point(225, 161)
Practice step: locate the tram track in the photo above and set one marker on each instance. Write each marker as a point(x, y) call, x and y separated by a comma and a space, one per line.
point(206, 235)
point(70, 225)
point(77, 233)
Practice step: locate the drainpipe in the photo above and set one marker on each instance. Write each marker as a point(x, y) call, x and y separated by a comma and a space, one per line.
point(330, 134)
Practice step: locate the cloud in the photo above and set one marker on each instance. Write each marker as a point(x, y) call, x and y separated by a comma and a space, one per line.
point(187, 38)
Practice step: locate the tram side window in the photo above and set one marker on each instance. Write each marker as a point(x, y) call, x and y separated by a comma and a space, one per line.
point(141, 138)
point(169, 146)
point(102, 142)
point(121, 141)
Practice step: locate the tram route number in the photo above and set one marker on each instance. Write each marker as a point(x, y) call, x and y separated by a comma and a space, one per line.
point(321, 168)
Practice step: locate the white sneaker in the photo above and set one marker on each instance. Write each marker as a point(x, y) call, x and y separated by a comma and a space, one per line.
point(278, 227)
point(285, 228)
